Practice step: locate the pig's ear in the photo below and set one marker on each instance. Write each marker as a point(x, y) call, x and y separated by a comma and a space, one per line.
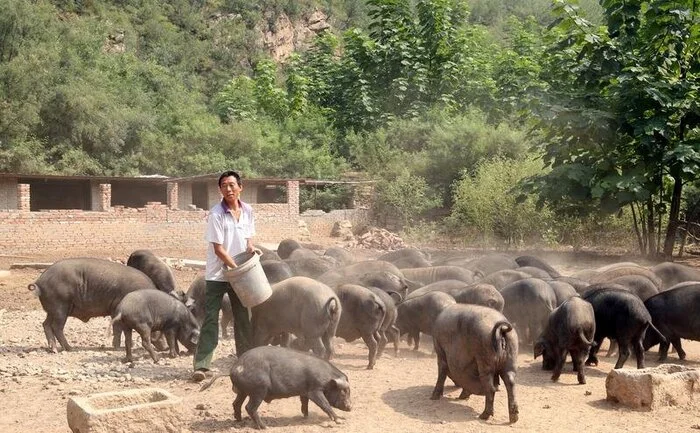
point(539, 348)
point(194, 338)
point(339, 383)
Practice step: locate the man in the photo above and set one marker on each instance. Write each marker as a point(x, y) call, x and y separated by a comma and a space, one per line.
point(230, 228)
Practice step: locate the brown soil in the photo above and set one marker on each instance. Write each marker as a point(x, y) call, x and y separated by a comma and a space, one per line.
point(394, 397)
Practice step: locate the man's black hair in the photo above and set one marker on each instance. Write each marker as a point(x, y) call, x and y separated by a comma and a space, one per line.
point(229, 174)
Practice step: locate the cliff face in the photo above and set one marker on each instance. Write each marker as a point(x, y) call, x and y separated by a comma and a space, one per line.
point(279, 36)
point(282, 37)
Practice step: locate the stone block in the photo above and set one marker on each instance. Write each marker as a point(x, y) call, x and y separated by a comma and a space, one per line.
point(665, 385)
point(147, 410)
point(341, 229)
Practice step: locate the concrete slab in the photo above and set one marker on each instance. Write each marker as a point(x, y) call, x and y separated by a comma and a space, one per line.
point(184, 263)
point(147, 410)
point(30, 265)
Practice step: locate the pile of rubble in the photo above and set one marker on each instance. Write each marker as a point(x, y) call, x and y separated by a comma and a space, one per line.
point(370, 238)
point(380, 239)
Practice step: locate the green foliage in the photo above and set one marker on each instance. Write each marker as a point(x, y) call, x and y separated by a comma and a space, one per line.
point(326, 198)
point(487, 202)
point(495, 13)
point(24, 157)
point(518, 71)
point(406, 197)
point(419, 93)
point(271, 99)
point(437, 147)
point(621, 110)
point(236, 100)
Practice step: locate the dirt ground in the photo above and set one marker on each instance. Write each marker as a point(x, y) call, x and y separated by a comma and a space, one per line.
point(394, 397)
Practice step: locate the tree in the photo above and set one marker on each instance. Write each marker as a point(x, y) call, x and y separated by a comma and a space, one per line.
point(619, 119)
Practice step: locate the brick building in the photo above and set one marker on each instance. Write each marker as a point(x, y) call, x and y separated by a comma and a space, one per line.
point(43, 212)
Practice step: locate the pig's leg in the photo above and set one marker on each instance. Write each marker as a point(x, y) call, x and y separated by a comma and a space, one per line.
point(326, 339)
point(50, 336)
point(638, 348)
point(237, 403)
point(612, 348)
point(117, 330)
point(172, 343)
point(380, 336)
point(225, 322)
point(57, 323)
point(560, 358)
point(442, 373)
point(319, 398)
point(128, 344)
point(285, 339)
point(304, 406)
point(676, 341)
point(592, 358)
point(254, 402)
point(393, 333)
point(663, 350)
point(159, 341)
point(509, 381)
point(145, 334)
point(577, 358)
point(624, 353)
point(372, 346)
point(490, 393)
point(416, 339)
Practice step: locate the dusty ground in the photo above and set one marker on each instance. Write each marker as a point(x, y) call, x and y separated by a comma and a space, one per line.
point(394, 397)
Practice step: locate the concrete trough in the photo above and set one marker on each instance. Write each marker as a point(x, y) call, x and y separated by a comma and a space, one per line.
point(147, 410)
point(654, 387)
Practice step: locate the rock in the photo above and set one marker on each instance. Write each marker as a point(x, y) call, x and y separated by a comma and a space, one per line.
point(341, 229)
point(665, 385)
point(303, 231)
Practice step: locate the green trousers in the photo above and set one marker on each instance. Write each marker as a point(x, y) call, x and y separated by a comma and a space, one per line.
point(209, 334)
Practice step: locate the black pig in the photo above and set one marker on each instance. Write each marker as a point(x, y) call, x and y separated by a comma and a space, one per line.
point(268, 373)
point(152, 310)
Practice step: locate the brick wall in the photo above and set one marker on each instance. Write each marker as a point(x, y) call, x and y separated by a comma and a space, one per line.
point(320, 224)
point(173, 195)
point(123, 229)
point(104, 202)
point(23, 197)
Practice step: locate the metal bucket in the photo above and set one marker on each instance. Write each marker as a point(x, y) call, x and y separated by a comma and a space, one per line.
point(248, 279)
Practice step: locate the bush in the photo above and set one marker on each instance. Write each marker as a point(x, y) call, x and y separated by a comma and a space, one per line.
point(404, 198)
point(487, 203)
point(436, 148)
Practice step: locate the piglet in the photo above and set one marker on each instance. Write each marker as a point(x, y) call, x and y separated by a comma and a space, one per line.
point(152, 310)
point(269, 372)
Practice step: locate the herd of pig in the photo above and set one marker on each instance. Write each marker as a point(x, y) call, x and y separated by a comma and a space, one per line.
point(477, 312)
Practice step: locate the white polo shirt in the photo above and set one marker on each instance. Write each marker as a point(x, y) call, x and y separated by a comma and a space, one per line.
point(222, 228)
